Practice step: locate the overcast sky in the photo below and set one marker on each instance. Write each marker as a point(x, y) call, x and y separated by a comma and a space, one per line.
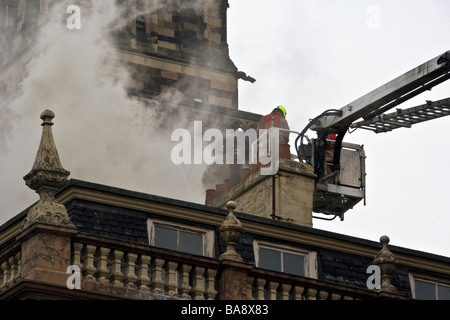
point(313, 55)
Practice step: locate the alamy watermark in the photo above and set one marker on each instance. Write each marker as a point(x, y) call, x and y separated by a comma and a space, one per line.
point(373, 21)
point(74, 20)
point(374, 280)
point(262, 146)
point(74, 281)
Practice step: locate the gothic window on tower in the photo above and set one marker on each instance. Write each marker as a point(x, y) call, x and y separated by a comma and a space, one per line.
point(285, 259)
point(141, 30)
point(179, 237)
point(141, 34)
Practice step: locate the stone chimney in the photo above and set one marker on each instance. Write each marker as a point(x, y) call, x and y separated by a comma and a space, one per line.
point(285, 196)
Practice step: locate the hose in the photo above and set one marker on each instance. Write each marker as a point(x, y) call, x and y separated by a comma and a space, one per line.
point(311, 122)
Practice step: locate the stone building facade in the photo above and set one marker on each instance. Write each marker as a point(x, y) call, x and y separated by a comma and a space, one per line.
point(88, 241)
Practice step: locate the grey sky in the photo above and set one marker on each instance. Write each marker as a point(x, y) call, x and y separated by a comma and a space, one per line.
point(314, 55)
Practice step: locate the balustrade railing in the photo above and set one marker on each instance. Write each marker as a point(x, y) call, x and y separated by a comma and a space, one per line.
point(10, 263)
point(270, 285)
point(159, 271)
point(179, 275)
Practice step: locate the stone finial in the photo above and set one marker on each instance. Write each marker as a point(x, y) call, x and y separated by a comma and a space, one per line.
point(231, 232)
point(46, 177)
point(387, 262)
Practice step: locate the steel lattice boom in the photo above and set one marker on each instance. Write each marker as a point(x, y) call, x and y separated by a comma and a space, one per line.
point(405, 118)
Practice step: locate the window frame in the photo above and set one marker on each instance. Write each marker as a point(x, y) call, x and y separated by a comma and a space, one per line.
point(436, 281)
point(310, 257)
point(207, 234)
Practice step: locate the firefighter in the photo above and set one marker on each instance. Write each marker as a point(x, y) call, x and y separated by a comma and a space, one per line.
point(277, 118)
point(331, 138)
point(330, 146)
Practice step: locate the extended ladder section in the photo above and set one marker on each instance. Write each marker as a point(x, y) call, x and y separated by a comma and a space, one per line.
point(405, 118)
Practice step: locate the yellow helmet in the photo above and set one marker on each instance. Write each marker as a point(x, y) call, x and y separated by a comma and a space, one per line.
point(282, 109)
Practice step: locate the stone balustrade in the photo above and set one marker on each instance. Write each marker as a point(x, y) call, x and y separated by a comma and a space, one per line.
point(155, 270)
point(269, 285)
point(10, 265)
point(119, 267)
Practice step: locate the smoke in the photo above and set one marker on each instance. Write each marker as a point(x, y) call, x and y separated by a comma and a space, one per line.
point(102, 135)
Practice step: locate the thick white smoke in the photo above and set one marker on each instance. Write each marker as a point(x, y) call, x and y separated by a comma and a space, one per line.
point(101, 134)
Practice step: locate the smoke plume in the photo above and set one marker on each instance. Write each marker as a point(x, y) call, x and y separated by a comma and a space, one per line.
point(102, 135)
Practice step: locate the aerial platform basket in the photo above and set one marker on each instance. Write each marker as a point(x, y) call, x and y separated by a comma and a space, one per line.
point(338, 191)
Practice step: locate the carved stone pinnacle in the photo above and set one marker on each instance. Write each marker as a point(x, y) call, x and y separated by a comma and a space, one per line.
point(231, 232)
point(46, 177)
point(387, 262)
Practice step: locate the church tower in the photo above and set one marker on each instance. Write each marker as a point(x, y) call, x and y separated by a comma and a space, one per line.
point(167, 45)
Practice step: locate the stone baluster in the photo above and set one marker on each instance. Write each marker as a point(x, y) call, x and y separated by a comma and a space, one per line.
point(157, 284)
point(76, 254)
point(143, 280)
point(130, 265)
point(116, 272)
point(311, 294)
point(88, 265)
point(250, 281)
point(335, 296)
point(260, 283)
point(171, 278)
point(185, 288)
point(198, 283)
point(2, 276)
point(323, 295)
point(272, 290)
point(297, 293)
point(284, 291)
point(12, 269)
point(102, 264)
point(210, 292)
point(5, 272)
point(18, 259)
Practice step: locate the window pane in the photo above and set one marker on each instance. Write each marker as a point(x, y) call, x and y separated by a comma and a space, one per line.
point(294, 263)
point(165, 238)
point(191, 243)
point(443, 292)
point(269, 259)
point(425, 290)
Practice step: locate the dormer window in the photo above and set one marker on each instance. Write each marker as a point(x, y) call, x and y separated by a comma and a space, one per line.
point(285, 259)
point(179, 237)
point(426, 288)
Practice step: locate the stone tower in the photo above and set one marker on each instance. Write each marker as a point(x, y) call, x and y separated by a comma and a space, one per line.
point(168, 45)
